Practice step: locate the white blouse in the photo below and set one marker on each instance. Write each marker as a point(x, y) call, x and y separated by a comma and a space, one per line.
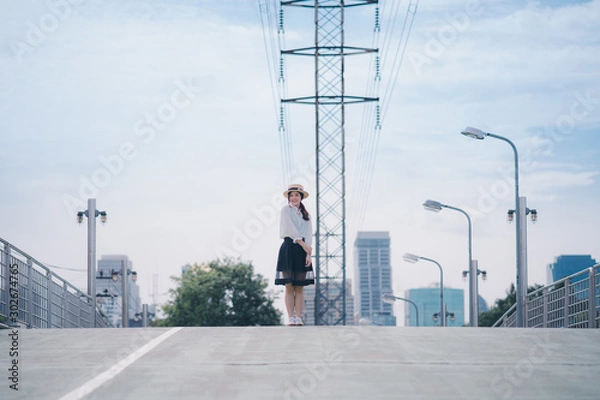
point(293, 226)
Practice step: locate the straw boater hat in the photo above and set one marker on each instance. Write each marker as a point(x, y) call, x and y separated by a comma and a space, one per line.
point(296, 188)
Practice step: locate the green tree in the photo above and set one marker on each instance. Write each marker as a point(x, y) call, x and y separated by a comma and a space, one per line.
point(221, 293)
point(489, 318)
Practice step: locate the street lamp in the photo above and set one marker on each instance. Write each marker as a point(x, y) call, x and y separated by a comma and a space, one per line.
point(483, 274)
point(91, 213)
point(412, 258)
point(521, 227)
point(115, 275)
point(446, 313)
point(436, 206)
point(145, 315)
point(391, 299)
point(124, 292)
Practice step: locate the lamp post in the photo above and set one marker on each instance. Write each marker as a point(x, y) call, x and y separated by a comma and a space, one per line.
point(124, 292)
point(412, 258)
point(445, 313)
point(391, 299)
point(145, 314)
point(519, 212)
point(474, 287)
point(436, 206)
point(91, 213)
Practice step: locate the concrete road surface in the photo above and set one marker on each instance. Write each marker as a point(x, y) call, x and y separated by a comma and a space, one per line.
point(291, 363)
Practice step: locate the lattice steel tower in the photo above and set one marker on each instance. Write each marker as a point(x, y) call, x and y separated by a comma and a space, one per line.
point(329, 52)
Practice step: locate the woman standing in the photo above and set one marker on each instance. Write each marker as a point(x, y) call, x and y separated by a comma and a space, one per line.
point(294, 266)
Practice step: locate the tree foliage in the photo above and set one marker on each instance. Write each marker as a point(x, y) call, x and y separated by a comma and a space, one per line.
point(221, 293)
point(501, 306)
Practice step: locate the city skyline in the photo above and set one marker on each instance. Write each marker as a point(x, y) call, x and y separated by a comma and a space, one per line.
point(164, 113)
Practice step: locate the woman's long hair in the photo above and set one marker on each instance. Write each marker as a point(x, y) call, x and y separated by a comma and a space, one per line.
point(305, 214)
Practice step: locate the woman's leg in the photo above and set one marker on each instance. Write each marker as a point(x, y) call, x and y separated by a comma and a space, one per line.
point(289, 299)
point(299, 300)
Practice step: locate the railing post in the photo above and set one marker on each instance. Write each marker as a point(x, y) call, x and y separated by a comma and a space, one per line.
point(144, 315)
point(65, 305)
point(79, 308)
point(124, 295)
point(49, 309)
point(6, 273)
point(566, 306)
point(545, 307)
point(29, 293)
point(592, 299)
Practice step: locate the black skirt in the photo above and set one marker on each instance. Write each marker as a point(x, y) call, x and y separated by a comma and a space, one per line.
point(291, 265)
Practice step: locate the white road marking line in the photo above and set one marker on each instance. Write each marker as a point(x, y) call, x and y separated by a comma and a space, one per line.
point(113, 371)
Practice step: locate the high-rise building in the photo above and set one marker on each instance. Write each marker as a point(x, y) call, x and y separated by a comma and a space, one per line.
point(566, 265)
point(428, 303)
point(109, 290)
point(308, 312)
point(372, 278)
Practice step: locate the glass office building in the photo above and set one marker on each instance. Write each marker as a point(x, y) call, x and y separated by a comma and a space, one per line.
point(372, 278)
point(566, 265)
point(428, 303)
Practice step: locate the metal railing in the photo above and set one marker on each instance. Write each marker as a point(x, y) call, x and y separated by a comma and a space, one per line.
point(33, 296)
point(571, 302)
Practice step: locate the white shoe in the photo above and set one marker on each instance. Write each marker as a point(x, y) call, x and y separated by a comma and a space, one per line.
point(298, 321)
point(291, 321)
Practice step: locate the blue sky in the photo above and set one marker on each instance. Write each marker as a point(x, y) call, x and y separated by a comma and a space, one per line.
point(79, 98)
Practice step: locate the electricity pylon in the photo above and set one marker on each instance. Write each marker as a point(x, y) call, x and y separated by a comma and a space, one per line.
point(330, 52)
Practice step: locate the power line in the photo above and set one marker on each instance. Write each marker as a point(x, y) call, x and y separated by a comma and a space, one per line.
point(274, 41)
point(375, 115)
point(63, 268)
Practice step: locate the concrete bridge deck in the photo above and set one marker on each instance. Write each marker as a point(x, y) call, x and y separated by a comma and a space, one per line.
point(303, 363)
